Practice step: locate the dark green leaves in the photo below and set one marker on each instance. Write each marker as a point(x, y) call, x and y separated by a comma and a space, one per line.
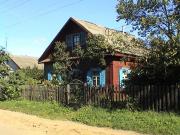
point(4, 70)
point(159, 22)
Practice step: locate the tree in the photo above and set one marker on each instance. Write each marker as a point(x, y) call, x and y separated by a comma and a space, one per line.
point(97, 47)
point(159, 22)
point(33, 73)
point(4, 70)
point(66, 60)
point(61, 62)
point(11, 82)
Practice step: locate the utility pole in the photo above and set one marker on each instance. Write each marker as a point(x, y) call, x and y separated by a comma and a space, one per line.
point(123, 27)
point(6, 44)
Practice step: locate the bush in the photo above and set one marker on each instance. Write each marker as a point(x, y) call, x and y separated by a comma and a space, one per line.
point(9, 91)
point(11, 86)
point(34, 73)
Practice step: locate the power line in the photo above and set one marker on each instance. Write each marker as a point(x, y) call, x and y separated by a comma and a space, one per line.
point(4, 2)
point(15, 6)
point(44, 13)
point(62, 7)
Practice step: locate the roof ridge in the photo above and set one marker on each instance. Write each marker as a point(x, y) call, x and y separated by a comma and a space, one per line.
point(98, 25)
point(27, 56)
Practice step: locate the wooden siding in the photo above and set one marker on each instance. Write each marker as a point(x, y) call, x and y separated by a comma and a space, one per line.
point(113, 71)
point(70, 29)
point(13, 66)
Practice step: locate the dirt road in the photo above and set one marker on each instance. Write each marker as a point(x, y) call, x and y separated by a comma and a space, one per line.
point(14, 123)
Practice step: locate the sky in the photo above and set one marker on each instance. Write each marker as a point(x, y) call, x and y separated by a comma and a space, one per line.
point(29, 26)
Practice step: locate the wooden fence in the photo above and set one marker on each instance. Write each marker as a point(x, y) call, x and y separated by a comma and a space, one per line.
point(149, 97)
point(44, 93)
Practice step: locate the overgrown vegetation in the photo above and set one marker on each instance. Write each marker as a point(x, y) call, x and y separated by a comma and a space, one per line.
point(11, 82)
point(144, 122)
point(12, 85)
point(93, 53)
point(4, 70)
point(79, 58)
point(158, 21)
point(34, 73)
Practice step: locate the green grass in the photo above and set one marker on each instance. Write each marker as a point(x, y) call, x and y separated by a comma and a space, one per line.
point(144, 122)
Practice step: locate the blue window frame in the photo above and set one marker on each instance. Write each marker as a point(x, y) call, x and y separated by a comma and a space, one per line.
point(96, 77)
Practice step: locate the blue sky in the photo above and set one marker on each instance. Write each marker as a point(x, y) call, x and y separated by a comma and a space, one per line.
point(30, 25)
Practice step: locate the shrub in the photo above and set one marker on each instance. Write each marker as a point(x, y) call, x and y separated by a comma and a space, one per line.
point(11, 86)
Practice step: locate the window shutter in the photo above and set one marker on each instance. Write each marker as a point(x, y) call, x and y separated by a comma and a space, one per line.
point(49, 76)
point(48, 71)
point(83, 38)
point(102, 78)
point(89, 78)
point(69, 41)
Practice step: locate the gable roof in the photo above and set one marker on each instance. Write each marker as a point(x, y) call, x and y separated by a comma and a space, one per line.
point(25, 61)
point(110, 34)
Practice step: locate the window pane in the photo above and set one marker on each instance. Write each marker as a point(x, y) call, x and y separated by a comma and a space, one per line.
point(76, 40)
point(98, 81)
point(96, 78)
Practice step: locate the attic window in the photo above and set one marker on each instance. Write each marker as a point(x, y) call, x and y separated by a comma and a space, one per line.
point(76, 40)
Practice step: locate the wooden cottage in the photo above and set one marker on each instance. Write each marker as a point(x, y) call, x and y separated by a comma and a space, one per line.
point(75, 31)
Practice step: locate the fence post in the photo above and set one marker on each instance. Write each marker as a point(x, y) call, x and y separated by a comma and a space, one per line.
point(85, 93)
point(67, 94)
point(1, 93)
point(31, 89)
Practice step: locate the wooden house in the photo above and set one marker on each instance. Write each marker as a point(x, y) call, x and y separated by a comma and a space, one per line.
point(75, 32)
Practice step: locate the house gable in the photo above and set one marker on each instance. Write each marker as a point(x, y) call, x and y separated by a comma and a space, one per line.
point(71, 27)
point(13, 66)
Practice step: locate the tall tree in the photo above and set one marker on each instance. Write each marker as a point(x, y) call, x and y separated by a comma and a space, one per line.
point(159, 22)
point(4, 70)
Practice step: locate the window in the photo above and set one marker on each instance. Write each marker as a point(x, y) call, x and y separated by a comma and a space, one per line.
point(123, 76)
point(76, 40)
point(96, 78)
point(69, 41)
point(72, 40)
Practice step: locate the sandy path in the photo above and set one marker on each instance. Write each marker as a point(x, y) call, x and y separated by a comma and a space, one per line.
point(14, 123)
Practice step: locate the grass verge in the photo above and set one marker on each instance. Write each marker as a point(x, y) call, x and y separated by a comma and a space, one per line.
point(144, 122)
